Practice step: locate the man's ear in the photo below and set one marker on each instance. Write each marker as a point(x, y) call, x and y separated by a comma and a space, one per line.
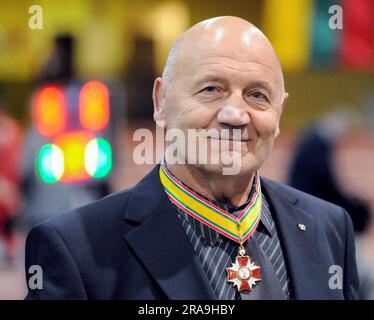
point(159, 102)
point(284, 100)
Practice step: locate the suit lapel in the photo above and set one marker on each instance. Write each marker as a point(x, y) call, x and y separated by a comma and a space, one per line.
point(298, 246)
point(161, 244)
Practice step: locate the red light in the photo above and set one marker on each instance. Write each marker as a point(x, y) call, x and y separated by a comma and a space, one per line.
point(50, 111)
point(94, 106)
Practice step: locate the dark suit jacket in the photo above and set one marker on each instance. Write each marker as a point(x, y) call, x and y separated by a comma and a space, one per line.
point(131, 245)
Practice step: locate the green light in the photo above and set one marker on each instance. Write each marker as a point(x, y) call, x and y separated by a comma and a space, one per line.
point(50, 163)
point(98, 158)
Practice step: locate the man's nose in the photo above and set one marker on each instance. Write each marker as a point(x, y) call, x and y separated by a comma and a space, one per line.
point(234, 112)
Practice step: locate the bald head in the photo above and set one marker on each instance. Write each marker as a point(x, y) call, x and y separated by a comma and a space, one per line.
point(230, 36)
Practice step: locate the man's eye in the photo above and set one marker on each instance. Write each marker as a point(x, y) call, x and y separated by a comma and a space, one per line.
point(258, 95)
point(210, 89)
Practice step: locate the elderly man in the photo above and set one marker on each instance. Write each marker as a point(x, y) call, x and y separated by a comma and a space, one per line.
point(188, 231)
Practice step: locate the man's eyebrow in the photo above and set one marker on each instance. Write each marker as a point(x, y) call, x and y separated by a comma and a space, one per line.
point(260, 83)
point(210, 78)
point(250, 84)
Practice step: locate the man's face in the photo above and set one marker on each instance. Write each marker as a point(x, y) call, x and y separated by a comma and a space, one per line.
point(225, 87)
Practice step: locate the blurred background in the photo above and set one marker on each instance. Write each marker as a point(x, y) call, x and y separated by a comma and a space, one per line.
point(76, 80)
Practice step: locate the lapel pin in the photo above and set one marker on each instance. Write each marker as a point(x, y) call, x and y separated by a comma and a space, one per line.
point(302, 227)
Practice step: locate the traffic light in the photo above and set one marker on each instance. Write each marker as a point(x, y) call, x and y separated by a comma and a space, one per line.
point(78, 148)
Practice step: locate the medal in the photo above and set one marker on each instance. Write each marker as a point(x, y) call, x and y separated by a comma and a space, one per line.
point(244, 273)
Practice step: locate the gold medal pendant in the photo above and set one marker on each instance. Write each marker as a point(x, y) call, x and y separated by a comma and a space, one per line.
point(244, 273)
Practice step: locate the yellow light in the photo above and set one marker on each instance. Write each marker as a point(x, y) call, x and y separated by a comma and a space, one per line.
point(73, 145)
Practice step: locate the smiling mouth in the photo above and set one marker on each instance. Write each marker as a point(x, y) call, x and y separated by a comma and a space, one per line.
point(220, 139)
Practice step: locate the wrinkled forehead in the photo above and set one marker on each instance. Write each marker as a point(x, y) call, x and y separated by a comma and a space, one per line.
point(238, 47)
point(229, 62)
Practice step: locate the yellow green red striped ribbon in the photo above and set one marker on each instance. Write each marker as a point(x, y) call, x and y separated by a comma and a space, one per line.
point(211, 215)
